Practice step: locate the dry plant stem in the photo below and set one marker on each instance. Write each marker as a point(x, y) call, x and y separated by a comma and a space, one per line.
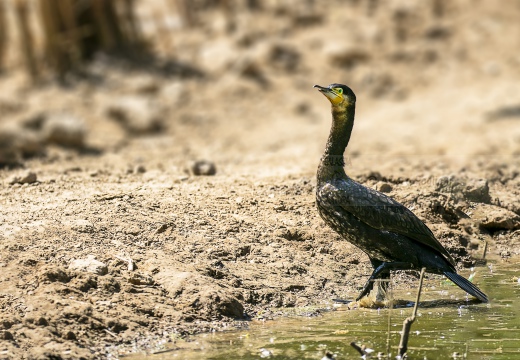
point(66, 25)
point(129, 261)
point(107, 38)
point(26, 38)
point(110, 333)
point(71, 38)
point(131, 31)
point(407, 323)
point(3, 33)
point(53, 51)
point(390, 307)
point(164, 351)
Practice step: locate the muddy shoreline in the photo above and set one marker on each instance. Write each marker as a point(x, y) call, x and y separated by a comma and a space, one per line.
point(110, 243)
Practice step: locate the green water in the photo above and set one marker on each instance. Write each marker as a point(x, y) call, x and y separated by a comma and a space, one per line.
point(448, 329)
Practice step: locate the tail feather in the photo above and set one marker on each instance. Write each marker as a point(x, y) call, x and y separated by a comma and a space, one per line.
point(467, 286)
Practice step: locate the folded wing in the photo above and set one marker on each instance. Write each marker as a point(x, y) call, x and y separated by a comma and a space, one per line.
point(383, 213)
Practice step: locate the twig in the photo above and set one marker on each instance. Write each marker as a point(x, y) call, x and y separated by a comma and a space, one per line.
point(390, 307)
point(110, 333)
point(164, 351)
point(485, 250)
point(129, 261)
point(107, 197)
point(407, 323)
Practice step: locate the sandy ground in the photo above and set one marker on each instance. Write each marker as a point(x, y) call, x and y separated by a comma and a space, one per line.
point(117, 246)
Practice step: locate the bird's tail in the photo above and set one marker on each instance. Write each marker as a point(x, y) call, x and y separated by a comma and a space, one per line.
point(466, 285)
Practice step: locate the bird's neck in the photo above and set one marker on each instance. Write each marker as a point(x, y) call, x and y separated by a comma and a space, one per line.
point(332, 161)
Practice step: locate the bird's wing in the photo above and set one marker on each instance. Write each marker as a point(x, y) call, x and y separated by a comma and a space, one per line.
point(382, 212)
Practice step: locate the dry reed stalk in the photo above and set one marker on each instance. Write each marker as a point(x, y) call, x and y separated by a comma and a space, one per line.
point(116, 25)
point(3, 33)
point(49, 12)
point(26, 39)
point(132, 31)
point(103, 27)
point(72, 31)
point(407, 323)
point(71, 39)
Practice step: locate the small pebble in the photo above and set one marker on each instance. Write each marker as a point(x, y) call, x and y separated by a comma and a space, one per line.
point(139, 169)
point(383, 187)
point(6, 324)
point(133, 230)
point(42, 321)
point(69, 336)
point(203, 167)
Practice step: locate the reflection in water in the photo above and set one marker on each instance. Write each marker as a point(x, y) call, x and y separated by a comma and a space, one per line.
point(444, 329)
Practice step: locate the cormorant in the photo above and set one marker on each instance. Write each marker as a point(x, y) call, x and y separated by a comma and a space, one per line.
point(390, 234)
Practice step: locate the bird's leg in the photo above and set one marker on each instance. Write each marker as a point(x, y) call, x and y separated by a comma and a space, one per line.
point(382, 270)
point(384, 276)
point(382, 284)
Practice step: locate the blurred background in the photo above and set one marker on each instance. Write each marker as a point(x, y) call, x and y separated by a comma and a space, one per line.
point(128, 82)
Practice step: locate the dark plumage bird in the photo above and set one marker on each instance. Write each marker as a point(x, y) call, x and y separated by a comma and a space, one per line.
point(390, 234)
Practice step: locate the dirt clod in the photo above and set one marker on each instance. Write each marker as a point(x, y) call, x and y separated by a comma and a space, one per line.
point(53, 273)
point(476, 190)
point(137, 114)
point(6, 335)
point(90, 264)
point(64, 129)
point(69, 335)
point(495, 218)
point(28, 177)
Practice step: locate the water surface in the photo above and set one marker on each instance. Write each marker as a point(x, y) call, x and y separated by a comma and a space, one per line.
point(449, 328)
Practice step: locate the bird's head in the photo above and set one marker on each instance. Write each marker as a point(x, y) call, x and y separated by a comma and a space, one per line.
point(339, 95)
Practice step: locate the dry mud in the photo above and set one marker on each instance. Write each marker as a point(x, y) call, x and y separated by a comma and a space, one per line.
point(114, 245)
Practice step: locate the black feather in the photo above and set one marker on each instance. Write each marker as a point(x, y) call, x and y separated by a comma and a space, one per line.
point(466, 285)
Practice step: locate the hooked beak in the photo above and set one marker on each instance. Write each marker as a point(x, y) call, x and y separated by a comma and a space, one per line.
point(330, 94)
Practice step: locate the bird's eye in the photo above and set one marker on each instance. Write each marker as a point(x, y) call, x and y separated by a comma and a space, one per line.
point(339, 90)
